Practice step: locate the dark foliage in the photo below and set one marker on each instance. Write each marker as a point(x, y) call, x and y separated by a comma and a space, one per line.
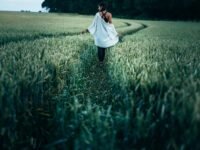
point(143, 9)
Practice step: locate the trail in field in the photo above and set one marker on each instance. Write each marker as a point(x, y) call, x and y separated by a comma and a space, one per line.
point(96, 81)
point(98, 86)
point(91, 81)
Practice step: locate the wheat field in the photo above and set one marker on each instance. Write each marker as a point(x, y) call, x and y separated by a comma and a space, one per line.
point(54, 94)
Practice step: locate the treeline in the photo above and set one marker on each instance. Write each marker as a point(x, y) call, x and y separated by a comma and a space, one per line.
point(147, 9)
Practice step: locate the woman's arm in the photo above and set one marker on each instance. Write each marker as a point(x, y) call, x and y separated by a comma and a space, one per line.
point(93, 26)
point(109, 17)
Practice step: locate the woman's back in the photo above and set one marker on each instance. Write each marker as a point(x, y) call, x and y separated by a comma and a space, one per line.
point(104, 33)
point(107, 16)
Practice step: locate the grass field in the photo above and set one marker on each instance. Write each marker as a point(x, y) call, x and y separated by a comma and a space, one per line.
point(54, 94)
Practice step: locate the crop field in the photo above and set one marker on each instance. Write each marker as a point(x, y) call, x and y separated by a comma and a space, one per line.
point(55, 95)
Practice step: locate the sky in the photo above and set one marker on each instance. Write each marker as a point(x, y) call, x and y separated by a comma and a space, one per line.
point(17, 5)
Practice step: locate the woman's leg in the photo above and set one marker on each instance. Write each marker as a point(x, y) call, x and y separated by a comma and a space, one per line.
point(101, 53)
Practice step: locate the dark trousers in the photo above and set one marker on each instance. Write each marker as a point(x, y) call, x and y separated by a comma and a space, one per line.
point(101, 53)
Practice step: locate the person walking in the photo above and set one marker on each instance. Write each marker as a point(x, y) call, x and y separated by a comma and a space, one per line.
point(103, 31)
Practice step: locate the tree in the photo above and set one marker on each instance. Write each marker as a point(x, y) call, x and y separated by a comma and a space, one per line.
point(158, 9)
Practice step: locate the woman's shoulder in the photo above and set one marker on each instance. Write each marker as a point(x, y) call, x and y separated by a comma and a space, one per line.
point(108, 14)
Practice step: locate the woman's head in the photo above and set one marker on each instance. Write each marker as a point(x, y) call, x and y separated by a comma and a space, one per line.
point(102, 6)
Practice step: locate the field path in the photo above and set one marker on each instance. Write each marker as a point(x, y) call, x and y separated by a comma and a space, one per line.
point(92, 80)
point(96, 81)
point(99, 87)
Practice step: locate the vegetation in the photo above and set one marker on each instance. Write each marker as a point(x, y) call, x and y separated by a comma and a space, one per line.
point(54, 95)
point(148, 9)
point(20, 26)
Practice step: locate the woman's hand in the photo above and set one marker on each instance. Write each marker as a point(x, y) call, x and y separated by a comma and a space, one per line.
point(84, 31)
point(119, 34)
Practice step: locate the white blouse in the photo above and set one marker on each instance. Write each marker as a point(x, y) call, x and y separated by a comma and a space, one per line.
point(104, 33)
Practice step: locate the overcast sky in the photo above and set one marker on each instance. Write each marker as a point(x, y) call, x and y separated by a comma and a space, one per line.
point(17, 5)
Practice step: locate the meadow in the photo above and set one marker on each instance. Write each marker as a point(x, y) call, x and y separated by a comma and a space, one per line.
point(54, 94)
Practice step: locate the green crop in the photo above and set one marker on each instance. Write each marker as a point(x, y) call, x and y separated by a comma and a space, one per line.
point(55, 95)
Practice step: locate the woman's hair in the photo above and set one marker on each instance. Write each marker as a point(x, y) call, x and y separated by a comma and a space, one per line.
point(103, 5)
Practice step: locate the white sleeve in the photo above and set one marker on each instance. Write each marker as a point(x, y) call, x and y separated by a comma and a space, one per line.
point(92, 27)
point(112, 31)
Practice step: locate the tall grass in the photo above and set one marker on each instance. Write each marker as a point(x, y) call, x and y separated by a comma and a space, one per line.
point(158, 70)
point(29, 26)
point(31, 73)
point(53, 94)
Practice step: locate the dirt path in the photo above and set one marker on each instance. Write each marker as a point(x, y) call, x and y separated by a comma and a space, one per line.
point(92, 79)
point(96, 81)
point(89, 87)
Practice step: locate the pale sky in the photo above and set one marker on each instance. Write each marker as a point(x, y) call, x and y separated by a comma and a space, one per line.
point(17, 5)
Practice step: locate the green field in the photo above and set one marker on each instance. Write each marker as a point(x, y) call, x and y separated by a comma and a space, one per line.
point(54, 94)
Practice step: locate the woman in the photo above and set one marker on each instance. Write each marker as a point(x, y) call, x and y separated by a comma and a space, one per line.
point(103, 31)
